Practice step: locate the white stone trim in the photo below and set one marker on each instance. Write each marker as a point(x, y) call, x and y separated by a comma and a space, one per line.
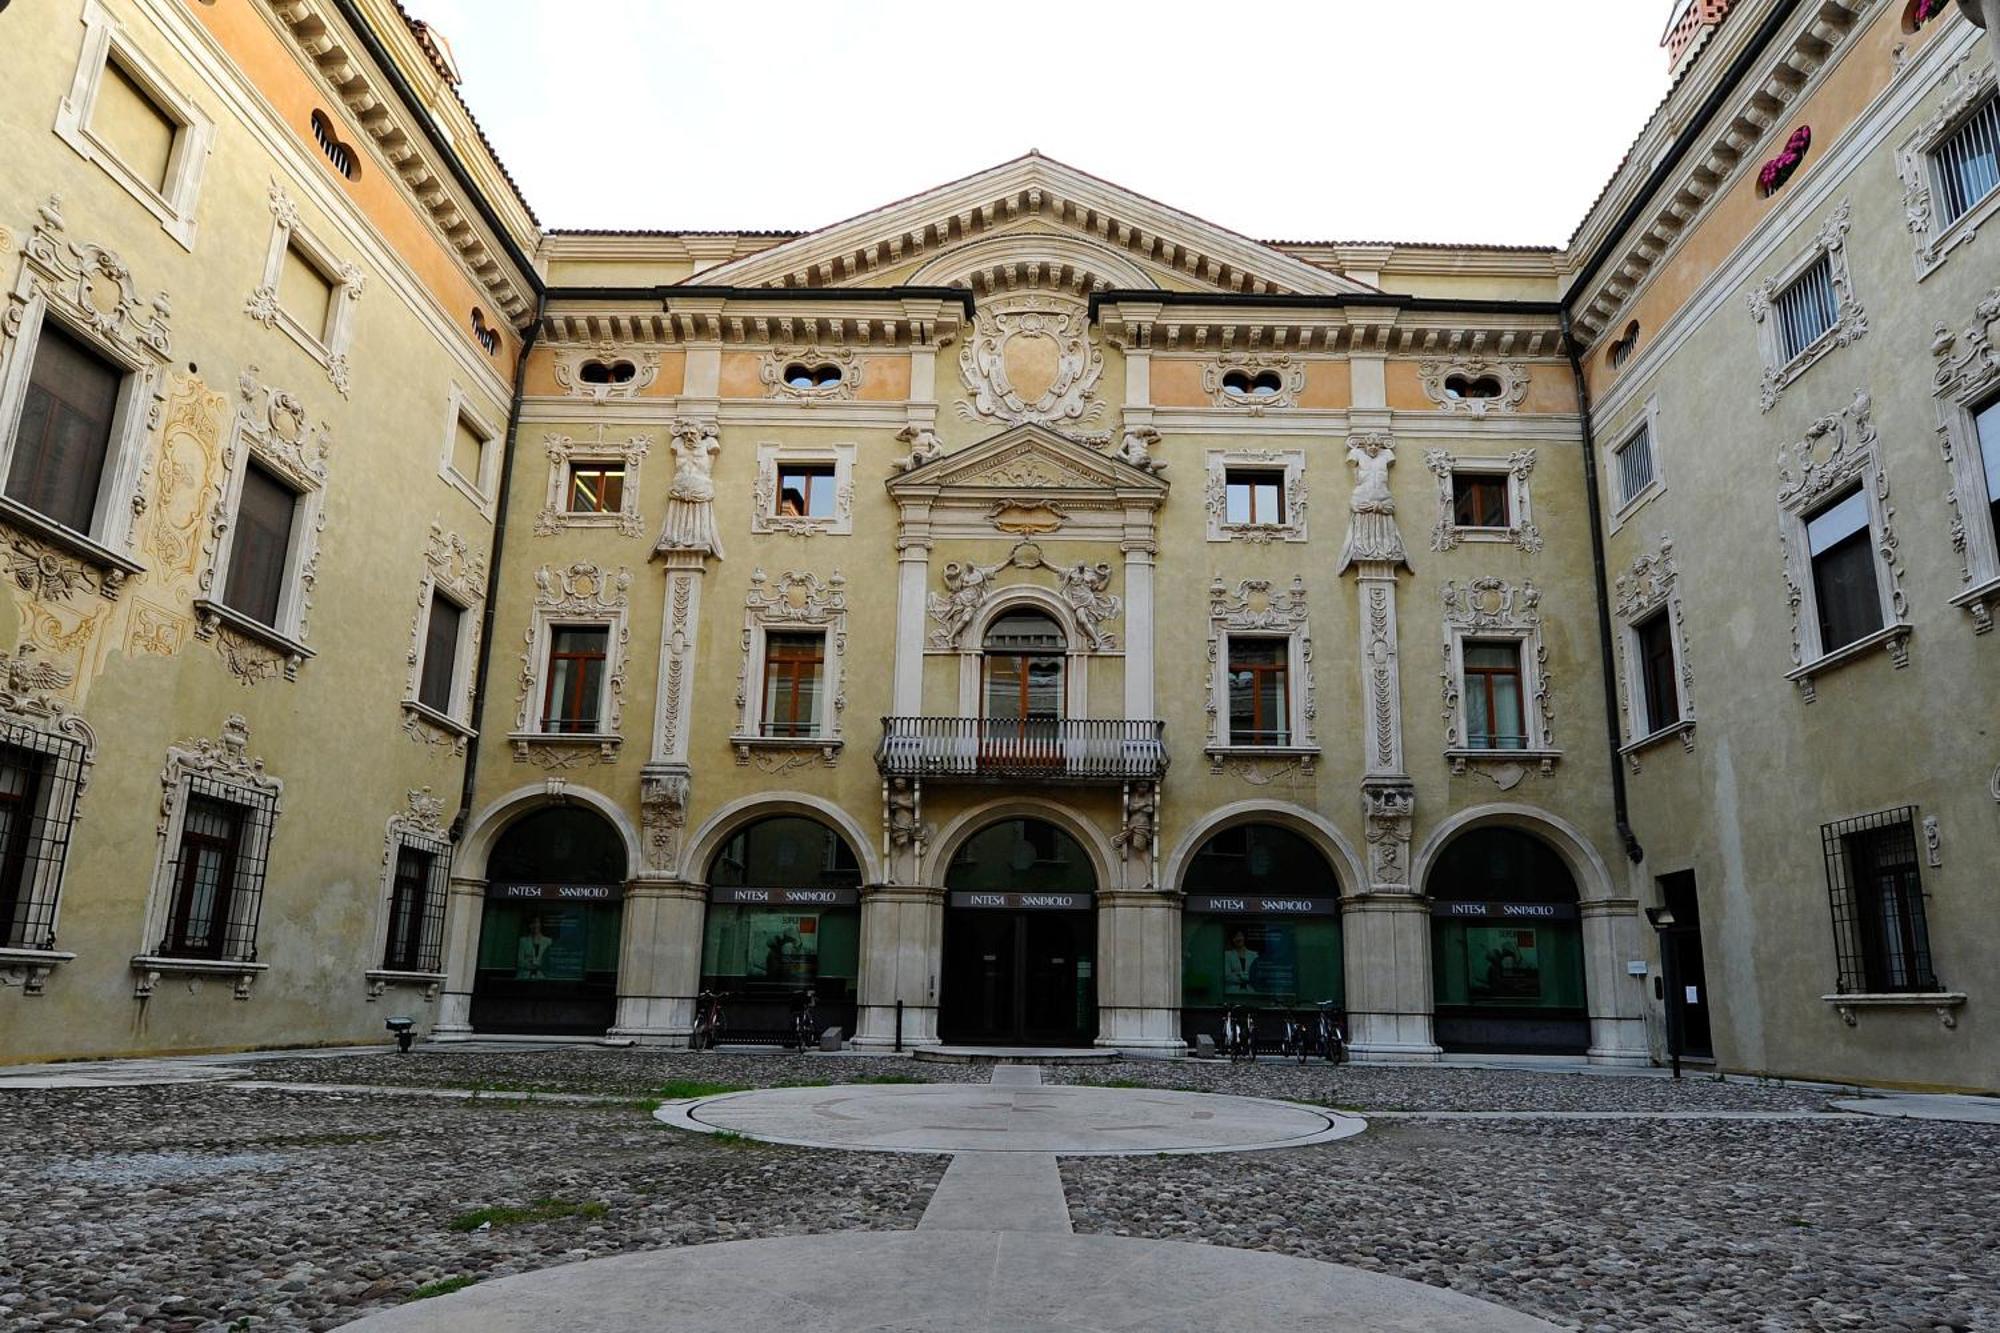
point(1290, 370)
point(579, 594)
point(772, 457)
point(1489, 608)
point(771, 371)
point(792, 602)
point(1516, 467)
point(28, 701)
point(1624, 506)
point(480, 489)
point(1961, 91)
point(1077, 640)
point(456, 573)
point(328, 345)
point(1258, 608)
point(1650, 586)
point(1945, 1004)
point(173, 201)
point(1217, 464)
point(1850, 320)
point(567, 361)
point(1968, 379)
point(1310, 824)
point(1511, 375)
point(1839, 451)
point(420, 819)
point(563, 451)
point(720, 826)
point(58, 280)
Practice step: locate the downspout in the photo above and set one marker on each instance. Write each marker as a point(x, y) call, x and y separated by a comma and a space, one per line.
point(1620, 810)
point(486, 614)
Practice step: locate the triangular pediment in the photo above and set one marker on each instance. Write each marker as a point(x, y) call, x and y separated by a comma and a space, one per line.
point(1031, 222)
point(1029, 462)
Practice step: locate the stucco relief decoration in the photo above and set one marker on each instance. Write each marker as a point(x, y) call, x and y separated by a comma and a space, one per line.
point(563, 451)
point(793, 599)
point(1850, 320)
point(1254, 381)
point(1968, 370)
point(1135, 449)
point(1260, 606)
point(1836, 450)
point(44, 573)
point(453, 566)
point(1389, 808)
point(690, 524)
point(1446, 534)
point(1297, 494)
point(1029, 358)
point(810, 374)
point(1138, 836)
point(190, 459)
point(969, 586)
point(1474, 386)
point(904, 832)
point(1493, 607)
point(663, 812)
point(226, 759)
point(619, 371)
point(1372, 537)
point(924, 445)
point(1962, 89)
point(1650, 583)
point(591, 594)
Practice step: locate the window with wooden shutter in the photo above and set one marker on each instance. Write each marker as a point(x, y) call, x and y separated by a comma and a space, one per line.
point(64, 438)
point(260, 547)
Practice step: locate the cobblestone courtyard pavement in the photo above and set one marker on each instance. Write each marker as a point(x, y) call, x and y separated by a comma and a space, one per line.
point(222, 1205)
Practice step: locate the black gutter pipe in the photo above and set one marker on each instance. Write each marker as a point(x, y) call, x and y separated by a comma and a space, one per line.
point(445, 151)
point(667, 292)
point(493, 554)
point(1620, 810)
point(1720, 94)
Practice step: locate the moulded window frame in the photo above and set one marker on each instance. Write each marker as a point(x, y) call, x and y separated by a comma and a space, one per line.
point(458, 717)
point(1289, 464)
point(1815, 658)
point(769, 610)
point(1294, 639)
point(541, 641)
point(1523, 627)
point(1640, 729)
point(564, 453)
point(327, 346)
point(405, 833)
point(1624, 506)
point(772, 457)
point(1976, 534)
point(1965, 91)
point(1850, 319)
point(174, 201)
point(52, 734)
point(479, 489)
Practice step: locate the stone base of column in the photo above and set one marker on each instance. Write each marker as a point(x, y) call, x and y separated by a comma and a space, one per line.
point(1151, 1031)
point(875, 1027)
point(654, 1020)
point(1387, 945)
point(1391, 1038)
point(1619, 1041)
point(454, 1020)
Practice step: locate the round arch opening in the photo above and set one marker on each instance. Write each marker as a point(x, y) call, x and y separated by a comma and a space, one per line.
point(783, 922)
point(1020, 939)
point(549, 932)
point(1260, 928)
point(1506, 947)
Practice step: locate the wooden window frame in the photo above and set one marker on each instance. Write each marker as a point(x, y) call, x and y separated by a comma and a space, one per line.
point(1260, 737)
point(547, 718)
point(779, 664)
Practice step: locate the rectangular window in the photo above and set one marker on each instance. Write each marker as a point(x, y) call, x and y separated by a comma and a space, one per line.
point(415, 941)
point(21, 793)
point(305, 292)
point(1493, 719)
point(1988, 424)
point(1255, 496)
point(133, 126)
point(468, 452)
point(1843, 571)
point(1479, 500)
point(1259, 693)
point(206, 880)
point(1878, 903)
point(794, 665)
point(440, 654)
point(261, 547)
point(1657, 676)
point(806, 490)
point(39, 776)
point(596, 488)
point(1806, 308)
point(1965, 168)
point(64, 438)
point(1635, 465)
point(574, 701)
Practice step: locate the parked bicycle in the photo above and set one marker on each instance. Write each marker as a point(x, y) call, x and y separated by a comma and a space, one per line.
point(805, 1021)
point(707, 1022)
point(1297, 1038)
point(1327, 1037)
point(1239, 1034)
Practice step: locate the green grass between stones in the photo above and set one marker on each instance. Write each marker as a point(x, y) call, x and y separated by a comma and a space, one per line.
point(444, 1287)
point(541, 1210)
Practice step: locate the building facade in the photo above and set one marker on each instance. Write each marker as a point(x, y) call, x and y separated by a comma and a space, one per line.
point(1022, 613)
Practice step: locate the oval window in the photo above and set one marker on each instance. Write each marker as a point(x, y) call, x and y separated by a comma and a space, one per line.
point(607, 372)
point(1471, 386)
point(337, 152)
point(1621, 351)
point(799, 375)
point(1243, 384)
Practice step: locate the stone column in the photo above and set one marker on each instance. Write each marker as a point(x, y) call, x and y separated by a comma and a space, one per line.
point(1612, 937)
point(1385, 924)
point(913, 572)
point(1139, 970)
point(1139, 548)
point(902, 946)
point(465, 912)
point(659, 961)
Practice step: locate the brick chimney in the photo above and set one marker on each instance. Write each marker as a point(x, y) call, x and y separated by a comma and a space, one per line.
point(1688, 29)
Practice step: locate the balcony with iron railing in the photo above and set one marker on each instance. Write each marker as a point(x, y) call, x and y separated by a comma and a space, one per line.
point(1034, 749)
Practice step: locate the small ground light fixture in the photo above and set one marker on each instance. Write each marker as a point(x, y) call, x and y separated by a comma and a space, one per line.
point(405, 1030)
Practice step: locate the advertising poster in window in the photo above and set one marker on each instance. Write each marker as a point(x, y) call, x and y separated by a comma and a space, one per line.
point(783, 947)
point(550, 946)
point(1502, 965)
point(1259, 961)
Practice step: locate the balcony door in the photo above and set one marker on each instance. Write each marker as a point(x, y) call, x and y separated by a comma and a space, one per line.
point(1023, 690)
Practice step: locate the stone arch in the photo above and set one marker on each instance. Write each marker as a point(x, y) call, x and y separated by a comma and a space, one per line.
point(484, 828)
point(1586, 867)
point(1103, 858)
point(1308, 824)
point(1016, 597)
point(719, 827)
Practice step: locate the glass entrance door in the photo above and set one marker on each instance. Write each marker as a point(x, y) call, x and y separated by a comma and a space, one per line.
point(1019, 978)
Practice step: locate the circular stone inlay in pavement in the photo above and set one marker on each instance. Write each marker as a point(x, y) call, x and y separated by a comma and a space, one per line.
point(958, 1117)
point(968, 1280)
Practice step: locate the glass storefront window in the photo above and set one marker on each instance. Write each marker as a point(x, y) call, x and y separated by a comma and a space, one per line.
point(782, 949)
point(549, 942)
point(1502, 965)
point(1263, 962)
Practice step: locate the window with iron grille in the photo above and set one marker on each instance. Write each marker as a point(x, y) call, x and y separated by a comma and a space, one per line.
point(217, 875)
point(1635, 465)
point(1965, 167)
point(415, 939)
point(39, 778)
point(1877, 895)
point(1806, 308)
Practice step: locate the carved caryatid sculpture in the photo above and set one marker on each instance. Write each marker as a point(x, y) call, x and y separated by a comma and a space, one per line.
point(690, 524)
point(1371, 531)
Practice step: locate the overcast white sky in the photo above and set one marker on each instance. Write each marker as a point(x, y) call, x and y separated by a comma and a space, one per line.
point(1440, 120)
